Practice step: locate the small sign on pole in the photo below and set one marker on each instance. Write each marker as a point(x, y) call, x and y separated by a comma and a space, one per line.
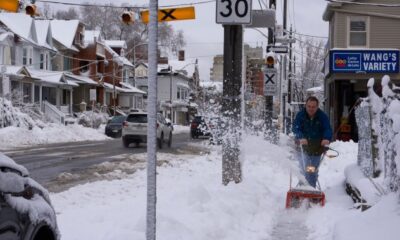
point(270, 82)
point(93, 96)
point(233, 12)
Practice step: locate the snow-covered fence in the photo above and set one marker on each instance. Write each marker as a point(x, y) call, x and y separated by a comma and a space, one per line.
point(378, 120)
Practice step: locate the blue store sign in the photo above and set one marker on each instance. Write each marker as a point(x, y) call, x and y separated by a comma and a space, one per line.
point(369, 61)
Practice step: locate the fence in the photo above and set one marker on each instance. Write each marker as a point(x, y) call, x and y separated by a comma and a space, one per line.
point(378, 120)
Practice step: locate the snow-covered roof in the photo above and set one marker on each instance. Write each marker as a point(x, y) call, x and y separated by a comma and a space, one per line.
point(20, 24)
point(4, 36)
point(183, 85)
point(90, 35)
point(80, 79)
point(116, 43)
point(11, 70)
point(131, 88)
point(117, 58)
point(53, 77)
point(179, 66)
point(43, 29)
point(64, 31)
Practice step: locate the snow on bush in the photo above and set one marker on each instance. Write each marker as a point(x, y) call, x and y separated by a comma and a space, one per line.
point(13, 116)
point(92, 119)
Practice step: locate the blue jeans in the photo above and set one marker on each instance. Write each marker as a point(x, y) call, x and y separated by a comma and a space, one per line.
point(309, 167)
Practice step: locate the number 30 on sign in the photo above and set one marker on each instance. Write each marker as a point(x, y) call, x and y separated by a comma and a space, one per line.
point(234, 12)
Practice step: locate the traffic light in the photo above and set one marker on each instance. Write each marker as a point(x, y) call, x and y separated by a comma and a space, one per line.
point(9, 5)
point(128, 17)
point(270, 60)
point(30, 9)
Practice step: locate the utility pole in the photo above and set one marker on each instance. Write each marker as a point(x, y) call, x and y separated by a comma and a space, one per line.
point(152, 124)
point(170, 94)
point(231, 105)
point(269, 100)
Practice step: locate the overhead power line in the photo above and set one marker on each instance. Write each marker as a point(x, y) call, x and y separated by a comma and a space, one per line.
point(123, 7)
point(306, 35)
point(365, 4)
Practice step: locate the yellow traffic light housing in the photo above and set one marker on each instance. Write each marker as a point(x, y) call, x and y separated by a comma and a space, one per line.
point(9, 5)
point(270, 61)
point(127, 17)
point(30, 9)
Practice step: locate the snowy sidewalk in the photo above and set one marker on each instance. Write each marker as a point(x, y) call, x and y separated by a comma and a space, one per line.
point(193, 203)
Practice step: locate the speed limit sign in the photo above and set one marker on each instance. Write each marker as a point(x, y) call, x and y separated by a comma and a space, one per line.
point(234, 12)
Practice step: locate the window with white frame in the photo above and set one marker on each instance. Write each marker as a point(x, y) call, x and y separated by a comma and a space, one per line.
point(27, 54)
point(358, 31)
point(181, 93)
point(44, 61)
point(126, 75)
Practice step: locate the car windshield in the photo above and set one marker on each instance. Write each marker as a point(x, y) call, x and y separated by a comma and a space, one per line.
point(137, 118)
point(118, 119)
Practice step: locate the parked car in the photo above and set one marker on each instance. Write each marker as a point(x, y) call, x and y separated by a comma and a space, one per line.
point(215, 126)
point(25, 208)
point(134, 130)
point(198, 127)
point(114, 126)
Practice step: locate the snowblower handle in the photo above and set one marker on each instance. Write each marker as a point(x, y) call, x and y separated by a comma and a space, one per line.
point(326, 148)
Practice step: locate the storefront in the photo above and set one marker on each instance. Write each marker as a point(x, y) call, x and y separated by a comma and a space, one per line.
point(347, 72)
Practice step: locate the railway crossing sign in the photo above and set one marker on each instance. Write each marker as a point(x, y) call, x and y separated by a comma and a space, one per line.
point(270, 82)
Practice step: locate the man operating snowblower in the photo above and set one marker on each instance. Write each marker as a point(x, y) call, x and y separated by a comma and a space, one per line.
point(313, 133)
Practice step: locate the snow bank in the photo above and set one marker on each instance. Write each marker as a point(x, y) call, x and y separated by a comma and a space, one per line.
point(13, 137)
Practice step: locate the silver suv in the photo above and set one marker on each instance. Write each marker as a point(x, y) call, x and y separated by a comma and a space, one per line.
point(134, 130)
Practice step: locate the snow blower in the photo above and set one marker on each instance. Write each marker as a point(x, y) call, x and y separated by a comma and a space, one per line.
point(301, 193)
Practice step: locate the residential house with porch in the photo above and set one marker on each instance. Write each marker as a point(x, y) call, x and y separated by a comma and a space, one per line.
point(27, 49)
point(175, 86)
point(106, 65)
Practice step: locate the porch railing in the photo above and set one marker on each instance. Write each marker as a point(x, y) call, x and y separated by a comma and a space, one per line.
point(52, 113)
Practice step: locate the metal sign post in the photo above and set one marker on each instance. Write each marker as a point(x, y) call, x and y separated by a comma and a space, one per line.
point(233, 14)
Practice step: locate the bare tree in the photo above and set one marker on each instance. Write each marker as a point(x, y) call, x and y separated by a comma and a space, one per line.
point(71, 13)
point(309, 73)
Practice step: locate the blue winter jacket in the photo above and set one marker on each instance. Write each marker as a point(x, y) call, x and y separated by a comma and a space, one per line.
point(314, 130)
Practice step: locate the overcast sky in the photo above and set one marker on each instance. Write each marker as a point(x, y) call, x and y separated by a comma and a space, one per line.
point(205, 38)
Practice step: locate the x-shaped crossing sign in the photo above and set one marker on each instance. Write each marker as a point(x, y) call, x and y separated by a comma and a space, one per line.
point(170, 14)
point(270, 86)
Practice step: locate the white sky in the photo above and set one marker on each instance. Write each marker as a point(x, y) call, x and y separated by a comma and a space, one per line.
point(205, 37)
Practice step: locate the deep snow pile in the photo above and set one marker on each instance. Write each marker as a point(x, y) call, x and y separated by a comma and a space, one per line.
point(192, 203)
point(12, 116)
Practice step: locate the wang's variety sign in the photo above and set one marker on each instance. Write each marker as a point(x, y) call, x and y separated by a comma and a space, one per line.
point(369, 61)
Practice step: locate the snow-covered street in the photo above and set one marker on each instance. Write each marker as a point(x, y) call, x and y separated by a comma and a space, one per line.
point(193, 203)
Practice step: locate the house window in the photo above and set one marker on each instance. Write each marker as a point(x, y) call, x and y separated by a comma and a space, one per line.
point(42, 61)
point(67, 64)
point(358, 31)
point(27, 53)
point(84, 66)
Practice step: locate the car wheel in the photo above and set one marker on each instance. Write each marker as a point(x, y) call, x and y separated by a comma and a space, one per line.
point(161, 141)
point(125, 142)
point(40, 231)
point(170, 140)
